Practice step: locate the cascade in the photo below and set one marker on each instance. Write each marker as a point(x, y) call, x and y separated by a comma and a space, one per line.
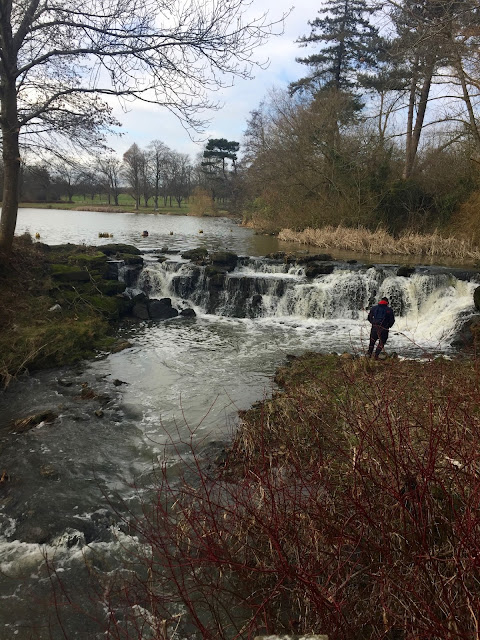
point(261, 289)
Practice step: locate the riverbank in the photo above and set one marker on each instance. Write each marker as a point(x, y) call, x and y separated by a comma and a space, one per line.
point(59, 305)
point(347, 505)
point(379, 242)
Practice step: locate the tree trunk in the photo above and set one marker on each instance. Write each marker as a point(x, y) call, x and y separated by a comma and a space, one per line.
point(11, 161)
point(413, 136)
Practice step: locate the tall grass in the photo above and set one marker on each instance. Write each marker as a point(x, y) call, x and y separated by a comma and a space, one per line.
point(380, 242)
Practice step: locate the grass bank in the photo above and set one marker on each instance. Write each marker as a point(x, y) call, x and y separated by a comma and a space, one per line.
point(348, 505)
point(380, 242)
point(58, 306)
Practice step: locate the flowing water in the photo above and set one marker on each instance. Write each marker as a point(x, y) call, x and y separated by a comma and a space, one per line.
point(182, 380)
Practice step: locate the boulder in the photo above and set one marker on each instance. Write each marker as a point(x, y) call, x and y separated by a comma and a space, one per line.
point(468, 333)
point(406, 272)
point(200, 253)
point(114, 249)
point(188, 313)
point(225, 259)
point(140, 310)
point(315, 269)
point(476, 298)
point(161, 309)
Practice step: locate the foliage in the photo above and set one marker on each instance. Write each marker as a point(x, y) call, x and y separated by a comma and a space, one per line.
point(347, 505)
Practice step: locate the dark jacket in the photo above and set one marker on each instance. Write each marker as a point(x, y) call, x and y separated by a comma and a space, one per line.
point(381, 315)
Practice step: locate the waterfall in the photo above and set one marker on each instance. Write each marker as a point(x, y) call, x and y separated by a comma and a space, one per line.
point(430, 303)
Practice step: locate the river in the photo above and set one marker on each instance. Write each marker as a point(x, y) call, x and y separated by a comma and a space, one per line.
point(182, 380)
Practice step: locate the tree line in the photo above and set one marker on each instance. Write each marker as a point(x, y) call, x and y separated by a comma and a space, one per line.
point(384, 126)
point(156, 176)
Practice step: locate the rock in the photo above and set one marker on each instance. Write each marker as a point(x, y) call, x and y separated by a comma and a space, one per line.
point(140, 310)
point(66, 273)
point(256, 299)
point(120, 345)
point(113, 249)
point(200, 253)
point(161, 309)
point(188, 313)
point(25, 424)
point(55, 309)
point(468, 333)
point(63, 382)
point(99, 413)
point(315, 269)
point(476, 298)
point(118, 383)
point(111, 287)
point(224, 258)
point(406, 272)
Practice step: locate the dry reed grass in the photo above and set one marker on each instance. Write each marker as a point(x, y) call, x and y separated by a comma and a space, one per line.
point(380, 242)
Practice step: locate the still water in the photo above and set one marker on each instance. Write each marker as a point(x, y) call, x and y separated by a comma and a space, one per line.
point(182, 380)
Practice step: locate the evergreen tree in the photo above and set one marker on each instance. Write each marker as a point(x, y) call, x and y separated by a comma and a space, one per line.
point(348, 42)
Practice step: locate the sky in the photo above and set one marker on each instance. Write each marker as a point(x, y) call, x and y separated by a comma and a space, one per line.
point(144, 123)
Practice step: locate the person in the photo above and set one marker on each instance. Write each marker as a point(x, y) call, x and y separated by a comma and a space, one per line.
point(382, 318)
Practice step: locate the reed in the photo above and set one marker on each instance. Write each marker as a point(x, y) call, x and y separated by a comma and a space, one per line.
point(380, 242)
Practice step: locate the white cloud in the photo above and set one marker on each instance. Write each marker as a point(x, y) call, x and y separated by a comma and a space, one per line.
point(144, 123)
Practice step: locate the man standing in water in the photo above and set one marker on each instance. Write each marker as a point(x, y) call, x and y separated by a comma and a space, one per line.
point(381, 318)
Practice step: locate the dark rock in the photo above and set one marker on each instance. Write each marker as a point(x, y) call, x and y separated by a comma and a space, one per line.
point(118, 383)
point(114, 249)
point(111, 287)
point(314, 269)
point(476, 298)
point(130, 275)
point(188, 313)
point(195, 254)
point(63, 382)
point(406, 272)
point(140, 298)
point(256, 299)
point(224, 258)
point(352, 261)
point(140, 310)
point(133, 260)
point(161, 309)
point(468, 334)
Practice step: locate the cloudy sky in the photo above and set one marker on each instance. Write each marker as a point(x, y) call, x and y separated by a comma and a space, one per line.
point(143, 123)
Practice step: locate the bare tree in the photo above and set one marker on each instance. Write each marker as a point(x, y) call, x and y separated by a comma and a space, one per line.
point(109, 168)
point(58, 62)
point(158, 154)
point(133, 168)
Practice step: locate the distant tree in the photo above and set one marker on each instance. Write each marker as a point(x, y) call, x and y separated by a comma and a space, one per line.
point(158, 154)
point(109, 167)
point(68, 174)
point(59, 59)
point(180, 180)
point(132, 170)
point(219, 163)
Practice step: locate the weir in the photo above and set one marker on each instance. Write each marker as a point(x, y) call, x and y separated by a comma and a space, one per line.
point(430, 305)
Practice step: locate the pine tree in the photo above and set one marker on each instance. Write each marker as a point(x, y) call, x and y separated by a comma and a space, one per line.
point(347, 41)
